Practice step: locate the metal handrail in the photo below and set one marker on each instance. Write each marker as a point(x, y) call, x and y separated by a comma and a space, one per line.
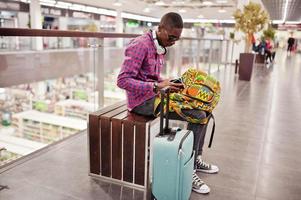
point(192, 38)
point(60, 33)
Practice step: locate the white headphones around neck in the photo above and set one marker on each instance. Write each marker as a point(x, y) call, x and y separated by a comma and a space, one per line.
point(160, 49)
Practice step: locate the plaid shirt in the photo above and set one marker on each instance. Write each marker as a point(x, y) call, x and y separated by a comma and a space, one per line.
point(140, 69)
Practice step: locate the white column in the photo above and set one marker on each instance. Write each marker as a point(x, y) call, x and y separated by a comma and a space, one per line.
point(63, 23)
point(99, 67)
point(65, 42)
point(36, 23)
point(39, 88)
point(23, 19)
point(119, 27)
point(240, 35)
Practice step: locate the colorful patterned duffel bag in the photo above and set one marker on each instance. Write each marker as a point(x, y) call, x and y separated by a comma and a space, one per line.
point(201, 91)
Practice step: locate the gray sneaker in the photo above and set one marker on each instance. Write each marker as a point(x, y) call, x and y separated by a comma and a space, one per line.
point(202, 166)
point(198, 185)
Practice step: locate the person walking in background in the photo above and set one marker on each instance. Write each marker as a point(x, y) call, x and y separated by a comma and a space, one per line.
point(290, 44)
point(270, 54)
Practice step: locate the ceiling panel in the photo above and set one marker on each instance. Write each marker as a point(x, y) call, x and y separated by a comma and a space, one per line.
point(193, 8)
point(294, 10)
point(276, 9)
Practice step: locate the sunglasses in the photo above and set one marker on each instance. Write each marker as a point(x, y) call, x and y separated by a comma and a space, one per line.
point(172, 38)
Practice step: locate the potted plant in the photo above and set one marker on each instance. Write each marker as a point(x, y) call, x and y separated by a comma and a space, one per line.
point(249, 20)
point(269, 33)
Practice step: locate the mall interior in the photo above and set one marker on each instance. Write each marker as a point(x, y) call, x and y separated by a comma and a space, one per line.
point(59, 63)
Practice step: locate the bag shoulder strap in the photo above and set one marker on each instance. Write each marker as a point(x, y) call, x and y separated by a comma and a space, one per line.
point(212, 131)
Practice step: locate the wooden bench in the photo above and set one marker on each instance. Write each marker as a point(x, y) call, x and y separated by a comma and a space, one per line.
point(120, 145)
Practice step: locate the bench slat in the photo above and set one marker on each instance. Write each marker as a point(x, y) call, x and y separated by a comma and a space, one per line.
point(94, 144)
point(94, 135)
point(105, 122)
point(117, 145)
point(140, 153)
point(128, 151)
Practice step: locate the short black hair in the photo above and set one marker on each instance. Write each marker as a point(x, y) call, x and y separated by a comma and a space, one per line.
point(172, 20)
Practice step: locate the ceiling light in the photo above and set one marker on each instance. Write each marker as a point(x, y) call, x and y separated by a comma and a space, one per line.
point(48, 1)
point(47, 4)
point(77, 7)
point(91, 9)
point(201, 16)
point(178, 2)
point(106, 12)
point(182, 11)
point(117, 3)
point(64, 3)
point(221, 1)
point(160, 3)
point(147, 10)
point(277, 22)
point(285, 11)
point(226, 21)
point(222, 10)
point(207, 3)
point(292, 22)
point(139, 17)
point(61, 4)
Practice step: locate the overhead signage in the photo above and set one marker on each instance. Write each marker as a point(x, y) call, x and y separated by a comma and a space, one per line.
point(81, 15)
point(55, 12)
point(51, 11)
point(289, 26)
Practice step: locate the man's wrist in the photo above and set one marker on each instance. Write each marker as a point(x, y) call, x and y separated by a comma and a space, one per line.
point(155, 87)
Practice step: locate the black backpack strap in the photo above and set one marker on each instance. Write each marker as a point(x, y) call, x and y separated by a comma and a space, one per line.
point(212, 131)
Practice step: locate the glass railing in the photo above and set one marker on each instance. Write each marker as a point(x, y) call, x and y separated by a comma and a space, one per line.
point(51, 80)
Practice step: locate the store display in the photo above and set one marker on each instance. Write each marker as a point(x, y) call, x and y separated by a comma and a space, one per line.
point(74, 108)
point(80, 94)
point(46, 127)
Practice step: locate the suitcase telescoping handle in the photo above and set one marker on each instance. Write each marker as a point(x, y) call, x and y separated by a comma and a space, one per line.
point(165, 130)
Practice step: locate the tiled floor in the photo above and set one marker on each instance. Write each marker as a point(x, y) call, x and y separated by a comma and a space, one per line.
point(256, 147)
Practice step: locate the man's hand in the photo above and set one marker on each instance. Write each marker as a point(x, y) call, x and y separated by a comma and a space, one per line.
point(174, 87)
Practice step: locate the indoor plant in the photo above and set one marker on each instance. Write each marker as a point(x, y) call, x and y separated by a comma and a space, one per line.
point(269, 33)
point(249, 20)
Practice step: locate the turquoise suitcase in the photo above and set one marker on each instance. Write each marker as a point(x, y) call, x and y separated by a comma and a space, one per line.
point(173, 160)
